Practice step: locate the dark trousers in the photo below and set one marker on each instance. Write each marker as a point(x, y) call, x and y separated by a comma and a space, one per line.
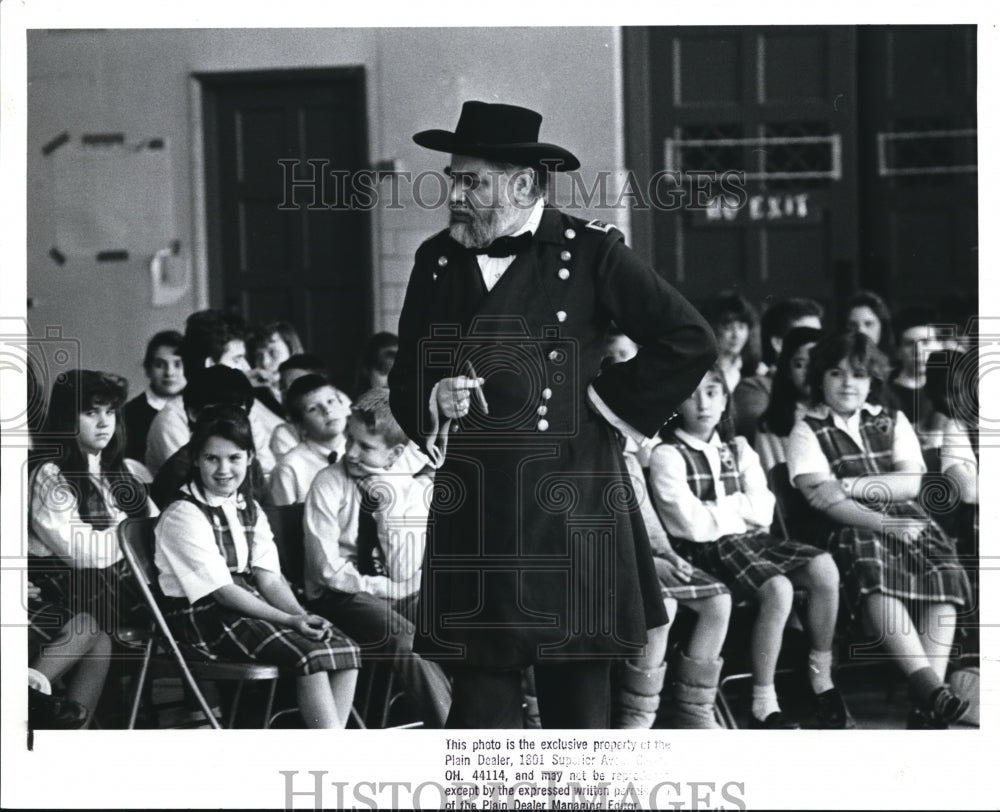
point(570, 695)
point(383, 630)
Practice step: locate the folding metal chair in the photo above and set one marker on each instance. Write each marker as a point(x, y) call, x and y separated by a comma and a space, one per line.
point(161, 654)
point(377, 694)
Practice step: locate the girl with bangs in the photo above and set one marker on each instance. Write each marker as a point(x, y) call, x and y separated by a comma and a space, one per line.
point(225, 597)
point(859, 464)
point(81, 489)
point(737, 333)
point(712, 496)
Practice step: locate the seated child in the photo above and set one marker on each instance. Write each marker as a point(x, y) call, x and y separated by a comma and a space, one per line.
point(750, 397)
point(952, 377)
point(377, 361)
point(165, 371)
point(78, 496)
point(209, 388)
point(285, 435)
point(737, 333)
point(868, 313)
point(319, 411)
point(271, 346)
point(917, 337)
point(225, 597)
point(860, 465)
point(789, 396)
point(695, 675)
point(70, 647)
point(365, 529)
point(211, 338)
point(711, 494)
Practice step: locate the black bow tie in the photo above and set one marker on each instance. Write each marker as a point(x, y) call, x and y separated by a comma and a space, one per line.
point(332, 457)
point(506, 246)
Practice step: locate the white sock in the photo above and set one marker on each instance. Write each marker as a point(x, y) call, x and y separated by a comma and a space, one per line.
point(765, 701)
point(820, 663)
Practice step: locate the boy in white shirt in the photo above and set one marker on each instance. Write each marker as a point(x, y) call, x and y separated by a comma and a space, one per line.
point(365, 528)
point(319, 411)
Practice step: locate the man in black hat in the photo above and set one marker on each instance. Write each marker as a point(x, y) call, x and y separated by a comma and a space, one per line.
point(536, 551)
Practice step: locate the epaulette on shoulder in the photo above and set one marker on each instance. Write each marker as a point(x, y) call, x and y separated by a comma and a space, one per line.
point(599, 225)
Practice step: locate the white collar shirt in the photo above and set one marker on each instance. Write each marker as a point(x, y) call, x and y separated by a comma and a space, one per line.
point(492, 268)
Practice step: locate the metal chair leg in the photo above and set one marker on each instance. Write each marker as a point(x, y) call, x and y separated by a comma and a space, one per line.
point(358, 719)
point(724, 711)
point(235, 705)
point(270, 703)
point(140, 682)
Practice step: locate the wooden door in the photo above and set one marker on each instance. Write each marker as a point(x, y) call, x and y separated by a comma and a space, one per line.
point(858, 145)
point(777, 105)
point(281, 247)
point(919, 178)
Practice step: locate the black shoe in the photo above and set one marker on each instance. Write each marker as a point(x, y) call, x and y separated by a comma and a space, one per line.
point(774, 721)
point(945, 706)
point(919, 720)
point(53, 713)
point(832, 713)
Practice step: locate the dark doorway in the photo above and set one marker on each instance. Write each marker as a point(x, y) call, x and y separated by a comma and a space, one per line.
point(919, 179)
point(288, 250)
point(858, 144)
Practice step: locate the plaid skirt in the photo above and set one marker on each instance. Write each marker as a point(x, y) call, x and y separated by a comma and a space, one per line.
point(45, 621)
point(211, 631)
point(925, 571)
point(746, 561)
point(701, 585)
point(110, 595)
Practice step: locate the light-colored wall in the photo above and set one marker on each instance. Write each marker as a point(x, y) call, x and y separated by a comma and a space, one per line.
point(140, 83)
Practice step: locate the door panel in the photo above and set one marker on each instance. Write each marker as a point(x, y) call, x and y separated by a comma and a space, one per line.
point(860, 153)
point(309, 262)
point(919, 183)
point(758, 101)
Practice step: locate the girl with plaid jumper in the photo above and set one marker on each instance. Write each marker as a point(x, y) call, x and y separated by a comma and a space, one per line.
point(694, 676)
point(860, 465)
point(82, 488)
point(224, 593)
point(710, 491)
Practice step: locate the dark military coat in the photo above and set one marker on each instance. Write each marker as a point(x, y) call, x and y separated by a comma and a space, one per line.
point(536, 549)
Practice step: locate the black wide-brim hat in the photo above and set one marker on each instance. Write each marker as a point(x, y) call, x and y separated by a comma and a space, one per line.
point(499, 132)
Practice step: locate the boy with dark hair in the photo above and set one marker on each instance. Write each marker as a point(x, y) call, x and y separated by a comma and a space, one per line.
point(211, 338)
point(165, 371)
point(285, 435)
point(319, 411)
point(916, 338)
point(365, 529)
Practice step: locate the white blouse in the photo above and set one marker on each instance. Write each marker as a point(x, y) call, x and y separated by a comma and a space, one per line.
point(55, 527)
point(187, 556)
point(805, 456)
point(685, 516)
